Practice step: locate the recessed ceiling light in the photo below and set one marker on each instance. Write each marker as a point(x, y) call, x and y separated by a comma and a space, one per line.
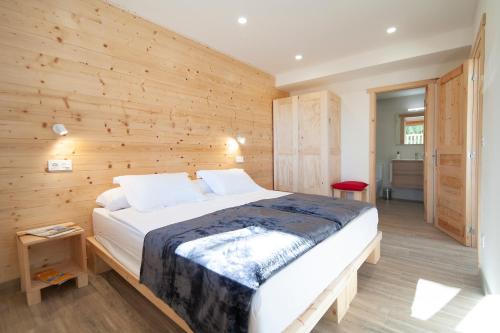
point(242, 20)
point(391, 30)
point(298, 57)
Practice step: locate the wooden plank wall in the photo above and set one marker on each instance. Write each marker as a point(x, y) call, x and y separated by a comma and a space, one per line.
point(135, 97)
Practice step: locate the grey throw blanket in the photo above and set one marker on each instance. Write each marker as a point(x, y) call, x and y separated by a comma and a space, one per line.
point(208, 268)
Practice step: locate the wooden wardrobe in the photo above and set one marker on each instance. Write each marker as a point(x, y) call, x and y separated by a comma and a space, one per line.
point(307, 142)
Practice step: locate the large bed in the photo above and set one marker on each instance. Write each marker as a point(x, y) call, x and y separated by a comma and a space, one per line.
point(285, 299)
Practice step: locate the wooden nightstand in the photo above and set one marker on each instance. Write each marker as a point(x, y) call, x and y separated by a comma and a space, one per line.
point(65, 253)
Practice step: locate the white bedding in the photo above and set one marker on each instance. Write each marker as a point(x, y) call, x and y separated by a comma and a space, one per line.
point(284, 296)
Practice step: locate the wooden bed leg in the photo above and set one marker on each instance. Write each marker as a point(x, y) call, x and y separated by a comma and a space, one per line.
point(375, 255)
point(344, 299)
point(95, 263)
point(353, 287)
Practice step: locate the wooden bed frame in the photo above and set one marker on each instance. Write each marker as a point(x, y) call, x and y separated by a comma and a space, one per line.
point(336, 297)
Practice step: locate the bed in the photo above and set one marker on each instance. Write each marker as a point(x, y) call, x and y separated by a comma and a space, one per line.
point(293, 299)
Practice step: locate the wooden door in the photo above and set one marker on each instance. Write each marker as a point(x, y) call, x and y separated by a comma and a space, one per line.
point(452, 162)
point(285, 144)
point(310, 175)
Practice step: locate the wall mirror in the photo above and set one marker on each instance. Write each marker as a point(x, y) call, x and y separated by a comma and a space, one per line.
point(410, 128)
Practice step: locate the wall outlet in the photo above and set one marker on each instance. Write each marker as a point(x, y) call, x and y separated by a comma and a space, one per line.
point(59, 165)
point(239, 159)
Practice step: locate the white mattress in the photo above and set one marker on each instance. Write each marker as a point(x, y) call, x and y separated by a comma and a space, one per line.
point(284, 296)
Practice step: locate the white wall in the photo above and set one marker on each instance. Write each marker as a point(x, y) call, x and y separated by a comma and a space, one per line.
point(388, 111)
point(490, 184)
point(356, 110)
point(355, 149)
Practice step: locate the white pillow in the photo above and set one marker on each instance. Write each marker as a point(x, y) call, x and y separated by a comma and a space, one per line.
point(202, 186)
point(230, 181)
point(149, 192)
point(113, 199)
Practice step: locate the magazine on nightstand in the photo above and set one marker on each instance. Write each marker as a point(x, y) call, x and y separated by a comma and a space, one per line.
point(51, 231)
point(53, 277)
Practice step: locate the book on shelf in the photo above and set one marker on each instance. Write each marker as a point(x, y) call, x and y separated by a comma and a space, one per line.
point(51, 231)
point(53, 277)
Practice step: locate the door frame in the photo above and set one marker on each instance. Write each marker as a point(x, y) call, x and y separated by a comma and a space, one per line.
point(430, 105)
point(477, 57)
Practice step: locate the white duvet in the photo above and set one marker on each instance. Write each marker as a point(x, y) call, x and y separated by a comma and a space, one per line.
point(284, 296)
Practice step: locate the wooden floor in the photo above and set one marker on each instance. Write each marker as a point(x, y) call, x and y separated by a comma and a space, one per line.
point(411, 250)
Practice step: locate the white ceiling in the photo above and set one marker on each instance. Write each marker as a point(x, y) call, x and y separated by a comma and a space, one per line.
point(442, 59)
point(322, 30)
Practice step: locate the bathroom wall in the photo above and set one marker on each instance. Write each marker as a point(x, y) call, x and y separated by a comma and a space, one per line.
point(388, 111)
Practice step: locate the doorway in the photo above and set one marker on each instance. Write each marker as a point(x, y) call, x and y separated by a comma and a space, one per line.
point(400, 141)
point(428, 89)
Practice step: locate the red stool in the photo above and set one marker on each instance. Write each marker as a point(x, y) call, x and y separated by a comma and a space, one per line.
point(358, 189)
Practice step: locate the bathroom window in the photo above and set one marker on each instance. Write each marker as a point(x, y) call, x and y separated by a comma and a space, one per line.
point(412, 129)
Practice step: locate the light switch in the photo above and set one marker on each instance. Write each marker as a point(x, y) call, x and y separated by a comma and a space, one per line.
point(60, 165)
point(239, 159)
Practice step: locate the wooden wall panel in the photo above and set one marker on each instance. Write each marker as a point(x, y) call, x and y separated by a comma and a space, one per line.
point(135, 97)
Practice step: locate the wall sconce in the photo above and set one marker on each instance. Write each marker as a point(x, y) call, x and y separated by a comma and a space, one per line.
point(60, 129)
point(241, 139)
point(232, 145)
